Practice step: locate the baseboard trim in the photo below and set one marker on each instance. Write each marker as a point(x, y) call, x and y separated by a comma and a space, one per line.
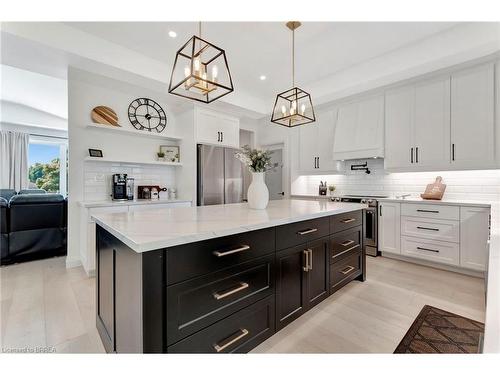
point(444, 267)
point(73, 262)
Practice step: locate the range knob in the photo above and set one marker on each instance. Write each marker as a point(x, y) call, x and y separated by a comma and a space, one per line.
point(363, 201)
point(370, 201)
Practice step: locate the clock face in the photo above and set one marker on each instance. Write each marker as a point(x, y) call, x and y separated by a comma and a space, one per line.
point(146, 114)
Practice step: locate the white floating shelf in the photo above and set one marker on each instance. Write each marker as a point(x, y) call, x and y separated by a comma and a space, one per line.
point(139, 133)
point(121, 161)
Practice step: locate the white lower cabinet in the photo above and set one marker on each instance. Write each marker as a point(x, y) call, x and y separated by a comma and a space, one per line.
point(432, 250)
point(389, 228)
point(474, 235)
point(447, 234)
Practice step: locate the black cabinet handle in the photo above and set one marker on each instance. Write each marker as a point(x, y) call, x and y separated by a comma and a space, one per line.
point(222, 136)
point(426, 249)
point(318, 161)
point(430, 211)
point(218, 136)
point(416, 154)
point(425, 228)
point(411, 155)
point(380, 210)
point(453, 151)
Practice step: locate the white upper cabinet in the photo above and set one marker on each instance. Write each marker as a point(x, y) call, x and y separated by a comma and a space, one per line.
point(216, 128)
point(360, 129)
point(432, 124)
point(417, 126)
point(399, 119)
point(316, 144)
point(472, 118)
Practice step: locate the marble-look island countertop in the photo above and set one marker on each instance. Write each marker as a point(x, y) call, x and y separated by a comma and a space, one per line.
point(135, 202)
point(164, 227)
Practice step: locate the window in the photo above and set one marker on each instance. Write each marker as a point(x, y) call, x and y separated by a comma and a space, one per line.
point(48, 164)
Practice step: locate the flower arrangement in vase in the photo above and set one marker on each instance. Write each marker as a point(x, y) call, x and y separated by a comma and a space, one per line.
point(257, 162)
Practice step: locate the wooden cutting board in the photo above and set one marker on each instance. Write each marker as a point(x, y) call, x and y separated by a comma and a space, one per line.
point(104, 115)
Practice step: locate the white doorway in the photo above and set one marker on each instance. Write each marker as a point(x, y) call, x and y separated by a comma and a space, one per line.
point(274, 177)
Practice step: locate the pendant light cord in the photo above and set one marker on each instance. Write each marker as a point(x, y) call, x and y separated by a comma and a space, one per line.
point(199, 29)
point(293, 58)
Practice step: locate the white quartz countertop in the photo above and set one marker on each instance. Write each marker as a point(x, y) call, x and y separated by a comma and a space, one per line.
point(447, 202)
point(135, 202)
point(164, 227)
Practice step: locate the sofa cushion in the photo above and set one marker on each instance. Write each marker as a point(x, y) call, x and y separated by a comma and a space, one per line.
point(32, 191)
point(7, 193)
point(36, 211)
point(36, 198)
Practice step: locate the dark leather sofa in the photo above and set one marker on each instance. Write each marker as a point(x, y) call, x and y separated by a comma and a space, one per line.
point(33, 226)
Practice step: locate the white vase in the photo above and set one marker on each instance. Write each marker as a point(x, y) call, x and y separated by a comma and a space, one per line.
point(258, 194)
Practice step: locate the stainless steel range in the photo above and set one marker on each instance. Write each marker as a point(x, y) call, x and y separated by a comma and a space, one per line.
point(370, 219)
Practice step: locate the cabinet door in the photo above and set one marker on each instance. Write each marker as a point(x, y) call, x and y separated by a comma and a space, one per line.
point(308, 148)
point(399, 111)
point(432, 123)
point(207, 127)
point(291, 299)
point(472, 117)
point(324, 141)
point(317, 276)
point(389, 227)
point(474, 234)
point(230, 129)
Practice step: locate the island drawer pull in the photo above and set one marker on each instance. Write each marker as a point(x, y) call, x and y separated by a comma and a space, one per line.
point(345, 221)
point(222, 295)
point(426, 228)
point(220, 253)
point(307, 231)
point(348, 269)
point(231, 340)
point(426, 249)
point(346, 251)
point(430, 211)
point(347, 243)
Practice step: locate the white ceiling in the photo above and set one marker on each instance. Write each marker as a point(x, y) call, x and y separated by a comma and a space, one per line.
point(33, 90)
point(264, 48)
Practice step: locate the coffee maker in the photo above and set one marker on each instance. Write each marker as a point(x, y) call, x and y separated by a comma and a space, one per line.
point(119, 187)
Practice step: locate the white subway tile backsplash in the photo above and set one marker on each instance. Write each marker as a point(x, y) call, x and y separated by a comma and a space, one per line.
point(97, 178)
point(481, 185)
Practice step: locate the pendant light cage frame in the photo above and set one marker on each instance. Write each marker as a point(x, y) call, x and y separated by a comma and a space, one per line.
point(293, 107)
point(193, 72)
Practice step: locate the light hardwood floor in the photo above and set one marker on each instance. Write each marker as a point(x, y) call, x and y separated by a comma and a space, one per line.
point(44, 304)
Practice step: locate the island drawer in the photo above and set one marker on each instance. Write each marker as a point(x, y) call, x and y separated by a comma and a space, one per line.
point(238, 333)
point(345, 270)
point(195, 304)
point(294, 234)
point(345, 221)
point(344, 243)
point(196, 259)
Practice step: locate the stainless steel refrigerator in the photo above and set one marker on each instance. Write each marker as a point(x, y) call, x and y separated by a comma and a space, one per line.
point(220, 176)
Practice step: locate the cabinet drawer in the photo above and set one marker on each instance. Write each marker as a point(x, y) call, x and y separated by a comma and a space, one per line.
point(433, 211)
point(435, 251)
point(298, 233)
point(345, 270)
point(238, 333)
point(197, 303)
point(344, 243)
point(345, 221)
point(434, 229)
point(196, 259)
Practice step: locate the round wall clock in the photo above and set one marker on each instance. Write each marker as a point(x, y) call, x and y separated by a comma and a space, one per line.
point(146, 114)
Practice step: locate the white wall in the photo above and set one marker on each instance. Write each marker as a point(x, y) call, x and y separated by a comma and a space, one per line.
point(86, 179)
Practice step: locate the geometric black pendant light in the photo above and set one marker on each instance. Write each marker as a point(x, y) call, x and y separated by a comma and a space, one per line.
point(293, 107)
point(200, 71)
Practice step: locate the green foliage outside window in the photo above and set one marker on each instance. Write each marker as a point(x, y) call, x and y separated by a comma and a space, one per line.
point(45, 176)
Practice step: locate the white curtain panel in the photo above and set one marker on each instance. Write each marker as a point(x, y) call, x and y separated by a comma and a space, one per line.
point(13, 160)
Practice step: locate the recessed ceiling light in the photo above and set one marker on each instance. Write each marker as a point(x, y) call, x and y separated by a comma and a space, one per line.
point(262, 77)
point(172, 34)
